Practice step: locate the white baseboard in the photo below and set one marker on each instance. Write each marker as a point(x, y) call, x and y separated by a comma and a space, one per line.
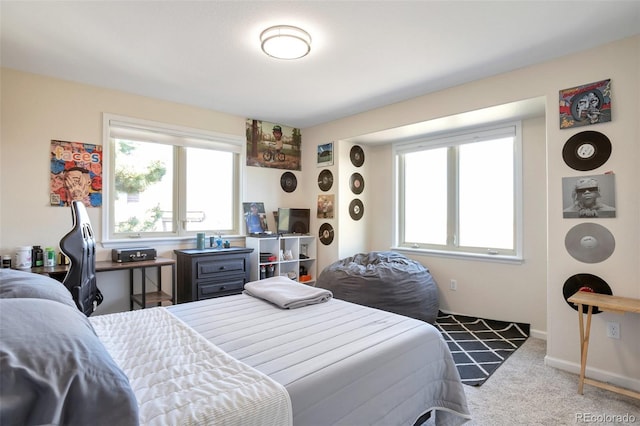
point(538, 334)
point(594, 373)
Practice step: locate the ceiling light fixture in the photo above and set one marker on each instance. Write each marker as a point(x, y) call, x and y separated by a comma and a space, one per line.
point(285, 42)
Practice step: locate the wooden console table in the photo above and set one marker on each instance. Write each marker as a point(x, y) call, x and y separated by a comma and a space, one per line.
point(143, 299)
point(604, 302)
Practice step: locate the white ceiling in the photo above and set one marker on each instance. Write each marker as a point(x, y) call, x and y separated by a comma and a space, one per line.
point(365, 54)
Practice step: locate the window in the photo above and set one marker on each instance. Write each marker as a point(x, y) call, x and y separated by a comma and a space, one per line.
point(166, 181)
point(461, 193)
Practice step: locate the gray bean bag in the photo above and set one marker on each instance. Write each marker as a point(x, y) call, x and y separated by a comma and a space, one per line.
point(384, 280)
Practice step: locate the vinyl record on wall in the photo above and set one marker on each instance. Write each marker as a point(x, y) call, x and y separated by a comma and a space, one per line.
point(356, 183)
point(584, 282)
point(326, 234)
point(356, 209)
point(356, 155)
point(586, 150)
point(288, 182)
point(589, 242)
point(325, 180)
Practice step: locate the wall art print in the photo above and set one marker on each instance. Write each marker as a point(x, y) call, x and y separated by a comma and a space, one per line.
point(273, 145)
point(325, 206)
point(591, 196)
point(585, 105)
point(75, 173)
point(325, 154)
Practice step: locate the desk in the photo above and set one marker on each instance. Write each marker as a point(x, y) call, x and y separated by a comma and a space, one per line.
point(604, 302)
point(143, 299)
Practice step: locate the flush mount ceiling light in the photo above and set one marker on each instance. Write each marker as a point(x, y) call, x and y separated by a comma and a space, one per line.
point(285, 42)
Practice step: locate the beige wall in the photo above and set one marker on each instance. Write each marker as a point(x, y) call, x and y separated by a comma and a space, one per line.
point(532, 292)
point(36, 109)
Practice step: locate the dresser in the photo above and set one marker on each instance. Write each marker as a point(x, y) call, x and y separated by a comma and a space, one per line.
point(213, 272)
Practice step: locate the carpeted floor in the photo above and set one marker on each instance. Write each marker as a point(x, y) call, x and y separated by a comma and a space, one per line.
point(525, 391)
point(479, 346)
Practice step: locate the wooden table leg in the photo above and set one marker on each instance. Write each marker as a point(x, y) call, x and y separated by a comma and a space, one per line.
point(584, 344)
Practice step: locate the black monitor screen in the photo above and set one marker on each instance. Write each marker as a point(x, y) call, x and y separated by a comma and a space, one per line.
point(293, 221)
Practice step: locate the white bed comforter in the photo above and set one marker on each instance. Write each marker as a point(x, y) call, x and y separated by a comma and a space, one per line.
point(341, 363)
point(181, 378)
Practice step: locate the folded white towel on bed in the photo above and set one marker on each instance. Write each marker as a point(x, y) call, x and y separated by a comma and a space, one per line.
point(286, 293)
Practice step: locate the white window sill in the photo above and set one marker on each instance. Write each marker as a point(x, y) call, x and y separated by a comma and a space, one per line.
point(461, 255)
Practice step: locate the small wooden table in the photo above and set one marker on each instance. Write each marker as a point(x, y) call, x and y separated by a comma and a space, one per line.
point(604, 302)
point(142, 299)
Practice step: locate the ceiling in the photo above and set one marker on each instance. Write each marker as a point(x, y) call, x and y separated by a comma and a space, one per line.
point(365, 54)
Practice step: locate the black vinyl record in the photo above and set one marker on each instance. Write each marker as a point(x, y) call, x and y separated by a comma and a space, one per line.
point(288, 182)
point(326, 234)
point(584, 282)
point(356, 209)
point(589, 242)
point(356, 183)
point(586, 150)
point(357, 155)
point(325, 180)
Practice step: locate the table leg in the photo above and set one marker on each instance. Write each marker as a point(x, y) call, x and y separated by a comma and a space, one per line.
point(584, 344)
point(131, 289)
point(144, 287)
point(174, 287)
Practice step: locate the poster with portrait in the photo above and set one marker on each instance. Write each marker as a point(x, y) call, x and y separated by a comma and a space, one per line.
point(326, 203)
point(585, 105)
point(75, 173)
point(325, 154)
point(273, 145)
point(255, 218)
point(589, 196)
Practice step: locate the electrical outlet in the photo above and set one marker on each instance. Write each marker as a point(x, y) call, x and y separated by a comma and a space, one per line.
point(453, 285)
point(613, 330)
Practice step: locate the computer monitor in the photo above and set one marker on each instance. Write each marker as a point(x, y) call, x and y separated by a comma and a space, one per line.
point(293, 221)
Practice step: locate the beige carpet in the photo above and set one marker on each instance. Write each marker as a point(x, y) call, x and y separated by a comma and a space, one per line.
point(523, 391)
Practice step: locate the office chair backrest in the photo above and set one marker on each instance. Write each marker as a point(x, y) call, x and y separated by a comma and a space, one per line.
point(79, 245)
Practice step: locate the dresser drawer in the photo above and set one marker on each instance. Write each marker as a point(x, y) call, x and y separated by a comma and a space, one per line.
point(216, 289)
point(211, 267)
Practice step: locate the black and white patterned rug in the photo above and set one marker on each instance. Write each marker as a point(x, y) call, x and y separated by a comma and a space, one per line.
point(479, 346)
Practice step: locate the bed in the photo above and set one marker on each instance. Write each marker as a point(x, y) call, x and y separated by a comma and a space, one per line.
point(235, 360)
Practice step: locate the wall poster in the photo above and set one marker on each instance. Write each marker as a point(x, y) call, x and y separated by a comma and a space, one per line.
point(75, 173)
point(585, 105)
point(273, 145)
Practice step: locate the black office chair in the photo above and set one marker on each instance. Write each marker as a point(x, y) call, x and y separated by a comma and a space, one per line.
point(79, 245)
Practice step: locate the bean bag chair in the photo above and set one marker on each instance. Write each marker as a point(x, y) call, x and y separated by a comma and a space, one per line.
point(384, 280)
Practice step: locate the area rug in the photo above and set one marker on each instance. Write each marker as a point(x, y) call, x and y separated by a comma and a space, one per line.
point(479, 346)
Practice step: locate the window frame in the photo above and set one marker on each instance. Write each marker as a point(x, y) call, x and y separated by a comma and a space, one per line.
point(176, 136)
point(457, 138)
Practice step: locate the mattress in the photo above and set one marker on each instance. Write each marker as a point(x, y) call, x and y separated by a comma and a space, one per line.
point(341, 363)
point(181, 378)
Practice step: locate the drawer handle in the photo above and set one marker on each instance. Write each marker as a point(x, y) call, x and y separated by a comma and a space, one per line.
point(221, 268)
point(222, 288)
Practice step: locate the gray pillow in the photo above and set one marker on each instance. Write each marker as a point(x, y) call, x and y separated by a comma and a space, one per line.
point(55, 370)
point(21, 284)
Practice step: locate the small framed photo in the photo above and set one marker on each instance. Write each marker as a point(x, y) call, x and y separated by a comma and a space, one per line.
point(255, 218)
point(325, 154)
point(326, 202)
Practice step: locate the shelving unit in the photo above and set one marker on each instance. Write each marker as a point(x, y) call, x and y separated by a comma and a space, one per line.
point(296, 245)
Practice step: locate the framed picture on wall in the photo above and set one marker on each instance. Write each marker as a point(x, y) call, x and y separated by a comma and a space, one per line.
point(273, 145)
point(325, 154)
point(585, 105)
point(589, 196)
